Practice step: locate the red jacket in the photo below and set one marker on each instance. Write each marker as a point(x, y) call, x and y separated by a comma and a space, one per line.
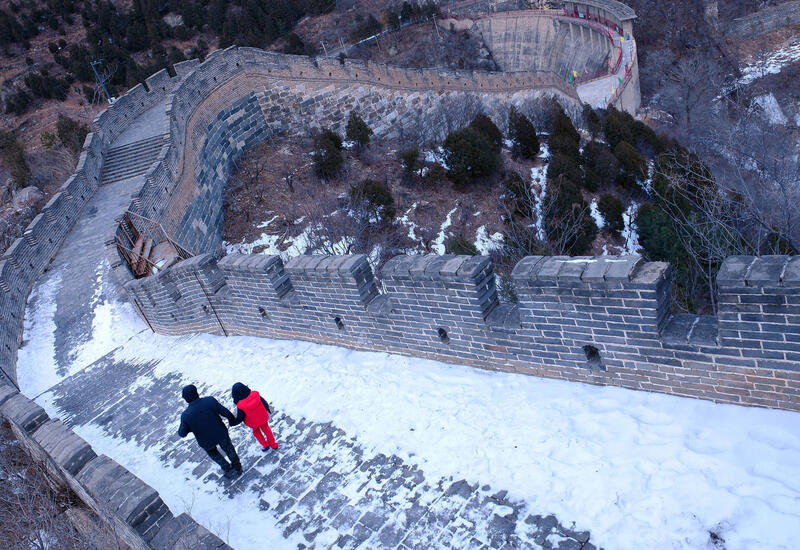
point(255, 414)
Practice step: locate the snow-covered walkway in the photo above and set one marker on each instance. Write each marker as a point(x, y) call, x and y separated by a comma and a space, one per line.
point(381, 451)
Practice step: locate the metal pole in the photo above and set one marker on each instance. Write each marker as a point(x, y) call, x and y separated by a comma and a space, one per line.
point(324, 49)
point(214, 311)
point(141, 312)
point(9, 378)
point(100, 80)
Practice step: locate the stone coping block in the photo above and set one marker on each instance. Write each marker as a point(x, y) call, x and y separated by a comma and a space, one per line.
point(184, 533)
point(256, 263)
point(24, 412)
point(322, 264)
point(110, 483)
point(587, 269)
point(70, 451)
point(432, 267)
point(759, 271)
point(6, 392)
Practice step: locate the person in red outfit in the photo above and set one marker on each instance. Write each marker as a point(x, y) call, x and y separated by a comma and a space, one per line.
point(254, 411)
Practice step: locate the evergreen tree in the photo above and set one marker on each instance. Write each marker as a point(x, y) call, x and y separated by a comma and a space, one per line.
point(523, 133)
point(469, 156)
point(357, 130)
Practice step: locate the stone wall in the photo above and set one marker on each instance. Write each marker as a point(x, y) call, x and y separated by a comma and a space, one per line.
point(602, 320)
point(239, 96)
point(765, 20)
point(132, 509)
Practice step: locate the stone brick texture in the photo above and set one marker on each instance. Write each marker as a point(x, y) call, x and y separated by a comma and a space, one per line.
point(133, 509)
point(596, 320)
point(766, 20)
point(603, 320)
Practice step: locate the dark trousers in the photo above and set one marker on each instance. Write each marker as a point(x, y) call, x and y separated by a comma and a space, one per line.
point(227, 447)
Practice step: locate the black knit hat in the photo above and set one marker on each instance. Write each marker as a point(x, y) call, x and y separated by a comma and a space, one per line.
point(190, 393)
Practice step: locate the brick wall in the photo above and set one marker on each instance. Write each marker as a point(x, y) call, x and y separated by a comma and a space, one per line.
point(765, 20)
point(132, 509)
point(602, 320)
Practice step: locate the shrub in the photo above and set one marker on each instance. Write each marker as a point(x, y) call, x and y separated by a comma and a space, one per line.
point(71, 133)
point(517, 195)
point(17, 102)
point(335, 138)
point(633, 167)
point(434, 175)
point(611, 208)
point(327, 156)
point(600, 166)
point(564, 145)
point(376, 195)
point(12, 156)
point(567, 218)
point(458, 244)
point(523, 133)
point(392, 19)
point(562, 126)
point(469, 155)
point(592, 120)
point(47, 87)
point(488, 129)
point(410, 158)
point(616, 128)
point(561, 165)
point(296, 46)
point(47, 139)
point(366, 28)
point(565, 139)
point(357, 130)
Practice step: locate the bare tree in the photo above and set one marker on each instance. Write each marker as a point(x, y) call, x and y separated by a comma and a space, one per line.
point(534, 224)
point(692, 84)
point(351, 226)
point(35, 516)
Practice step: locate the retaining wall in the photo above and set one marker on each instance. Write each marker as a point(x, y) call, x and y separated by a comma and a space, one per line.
point(240, 96)
point(602, 320)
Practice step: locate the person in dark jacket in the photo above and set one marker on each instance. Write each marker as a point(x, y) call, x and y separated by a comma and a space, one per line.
point(254, 411)
point(202, 417)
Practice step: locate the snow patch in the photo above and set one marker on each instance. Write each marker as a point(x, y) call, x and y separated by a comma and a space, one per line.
point(438, 244)
point(437, 156)
point(770, 109)
point(629, 232)
point(773, 64)
point(596, 215)
point(486, 243)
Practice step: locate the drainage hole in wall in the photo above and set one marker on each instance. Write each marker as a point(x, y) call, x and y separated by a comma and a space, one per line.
point(593, 357)
point(443, 335)
point(263, 313)
point(339, 323)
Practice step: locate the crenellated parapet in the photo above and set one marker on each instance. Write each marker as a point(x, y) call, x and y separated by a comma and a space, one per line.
point(602, 320)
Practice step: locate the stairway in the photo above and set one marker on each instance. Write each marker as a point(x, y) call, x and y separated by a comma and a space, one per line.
point(133, 159)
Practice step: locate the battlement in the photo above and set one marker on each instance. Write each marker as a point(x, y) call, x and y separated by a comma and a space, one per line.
point(603, 320)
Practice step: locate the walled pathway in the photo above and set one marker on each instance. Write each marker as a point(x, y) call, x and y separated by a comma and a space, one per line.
point(320, 489)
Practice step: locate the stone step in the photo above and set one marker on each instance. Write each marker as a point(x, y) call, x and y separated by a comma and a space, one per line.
point(132, 159)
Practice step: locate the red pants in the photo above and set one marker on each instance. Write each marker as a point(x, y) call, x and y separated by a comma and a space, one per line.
point(260, 436)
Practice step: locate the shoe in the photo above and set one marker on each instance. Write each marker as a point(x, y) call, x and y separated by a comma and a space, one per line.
point(275, 446)
point(264, 449)
point(238, 468)
point(230, 474)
